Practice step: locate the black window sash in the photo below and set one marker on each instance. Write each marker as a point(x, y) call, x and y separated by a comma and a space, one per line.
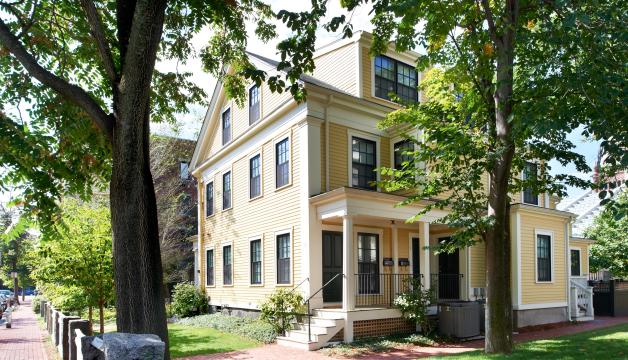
point(253, 104)
point(283, 259)
point(255, 177)
point(282, 163)
point(575, 262)
point(368, 266)
point(529, 197)
point(256, 262)
point(363, 173)
point(226, 126)
point(209, 261)
point(209, 190)
point(227, 261)
point(226, 190)
point(544, 258)
point(385, 85)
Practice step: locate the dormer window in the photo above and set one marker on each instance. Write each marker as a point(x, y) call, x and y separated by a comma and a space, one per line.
point(392, 76)
point(530, 171)
point(226, 126)
point(253, 104)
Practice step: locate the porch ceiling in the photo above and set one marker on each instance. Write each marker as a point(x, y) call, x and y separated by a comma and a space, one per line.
point(357, 202)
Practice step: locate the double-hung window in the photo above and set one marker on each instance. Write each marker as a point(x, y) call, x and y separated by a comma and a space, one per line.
point(226, 190)
point(226, 126)
point(363, 155)
point(543, 258)
point(227, 269)
point(253, 104)
point(256, 262)
point(392, 76)
point(209, 199)
point(530, 171)
point(255, 178)
point(575, 262)
point(283, 259)
point(368, 264)
point(282, 163)
point(403, 150)
point(209, 261)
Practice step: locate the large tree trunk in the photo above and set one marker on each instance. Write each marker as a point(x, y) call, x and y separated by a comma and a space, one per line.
point(499, 299)
point(137, 260)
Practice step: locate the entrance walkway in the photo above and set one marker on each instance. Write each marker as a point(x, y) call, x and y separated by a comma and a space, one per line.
point(23, 341)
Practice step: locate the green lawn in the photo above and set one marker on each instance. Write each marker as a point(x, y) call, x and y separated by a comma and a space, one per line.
point(606, 344)
point(189, 341)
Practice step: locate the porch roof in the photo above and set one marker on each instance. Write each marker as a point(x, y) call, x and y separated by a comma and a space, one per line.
point(359, 202)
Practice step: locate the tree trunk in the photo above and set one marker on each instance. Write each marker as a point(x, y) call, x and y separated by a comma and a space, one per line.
point(137, 260)
point(101, 309)
point(499, 297)
point(90, 317)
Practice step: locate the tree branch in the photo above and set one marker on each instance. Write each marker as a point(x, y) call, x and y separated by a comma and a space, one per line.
point(99, 35)
point(492, 29)
point(69, 91)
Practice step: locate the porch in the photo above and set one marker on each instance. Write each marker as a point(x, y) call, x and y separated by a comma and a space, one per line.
point(363, 253)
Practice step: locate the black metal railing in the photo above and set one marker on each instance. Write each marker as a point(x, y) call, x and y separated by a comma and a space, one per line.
point(447, 286)
point(380, 289)
point(307, 304)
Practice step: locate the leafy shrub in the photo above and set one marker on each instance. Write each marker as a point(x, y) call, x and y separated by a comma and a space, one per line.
point(281, 308)
point(187, 300)
point(246, 327)
point(413, 304)
point(36, 302)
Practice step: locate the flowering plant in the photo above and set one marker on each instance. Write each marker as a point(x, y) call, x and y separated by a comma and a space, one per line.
point(413, 304)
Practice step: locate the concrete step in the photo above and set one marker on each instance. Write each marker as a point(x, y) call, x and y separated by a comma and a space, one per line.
point(321, 321)
point(302, 336)
point(315, 329)
point(328, 314)
point(298, 344)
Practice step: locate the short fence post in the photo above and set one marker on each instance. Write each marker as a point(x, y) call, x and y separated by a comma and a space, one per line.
point(64, 333)
point(74, 326)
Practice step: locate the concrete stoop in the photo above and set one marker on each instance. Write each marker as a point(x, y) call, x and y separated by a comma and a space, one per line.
point(324, 326)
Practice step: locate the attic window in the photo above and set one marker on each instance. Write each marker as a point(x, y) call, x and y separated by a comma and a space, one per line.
point(392, 76)
point(226, 126)
point(184, 170)
point(253, 104)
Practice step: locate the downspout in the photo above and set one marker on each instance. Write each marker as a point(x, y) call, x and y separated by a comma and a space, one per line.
point(568, 280)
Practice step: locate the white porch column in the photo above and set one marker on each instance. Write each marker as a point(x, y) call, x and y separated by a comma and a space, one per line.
point(348, 281)
point(395, 251)
point(426, 254)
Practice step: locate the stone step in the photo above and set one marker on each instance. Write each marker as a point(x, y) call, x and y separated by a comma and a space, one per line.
point(298, 344)
point(302, 336)
point(321, 321)
point(315, 329)
point(328, 314)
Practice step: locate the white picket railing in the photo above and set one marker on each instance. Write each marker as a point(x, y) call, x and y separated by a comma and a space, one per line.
point(581, 300)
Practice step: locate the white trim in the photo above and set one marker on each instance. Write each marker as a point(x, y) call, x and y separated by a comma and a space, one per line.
point(540, 305)
point(222, 262)
point(222, 112)
point(358, 68)
point(207, 248)
point(399, 58)
point(290, 232)
point(364, 135)
point(276, 140)
point(336, 228)
point(380, 243)
point(571, 248)
point(261, 239)
point(261, 174)
point(519, 280)
point(414, 133)
point(549, 233)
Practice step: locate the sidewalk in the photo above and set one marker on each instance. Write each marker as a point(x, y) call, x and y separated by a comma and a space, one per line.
point(24, 340)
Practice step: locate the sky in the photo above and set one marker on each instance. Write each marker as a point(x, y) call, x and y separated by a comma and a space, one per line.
point(192, 122)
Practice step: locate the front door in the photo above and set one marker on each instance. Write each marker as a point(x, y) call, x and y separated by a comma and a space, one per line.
point(416, 264)
point(332, 265)
point(448, 274)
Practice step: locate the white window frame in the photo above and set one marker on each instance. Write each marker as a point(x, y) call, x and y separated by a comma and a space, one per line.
point(378, 149)
point(549, 233)
point(415, 135)
point(580, 262)
point(248, 102)
point(207, 248)
point(261, 174)
point(261, 239)
point(222, 263)
point(277, 140)
point(380, 239)
point(222, 188)
point(538, 196)
point(290, 233)
point(224, 109)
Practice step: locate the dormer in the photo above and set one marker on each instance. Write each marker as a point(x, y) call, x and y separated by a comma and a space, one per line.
point(348, 66)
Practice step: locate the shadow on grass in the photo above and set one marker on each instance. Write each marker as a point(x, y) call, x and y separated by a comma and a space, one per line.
point(190, 341)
